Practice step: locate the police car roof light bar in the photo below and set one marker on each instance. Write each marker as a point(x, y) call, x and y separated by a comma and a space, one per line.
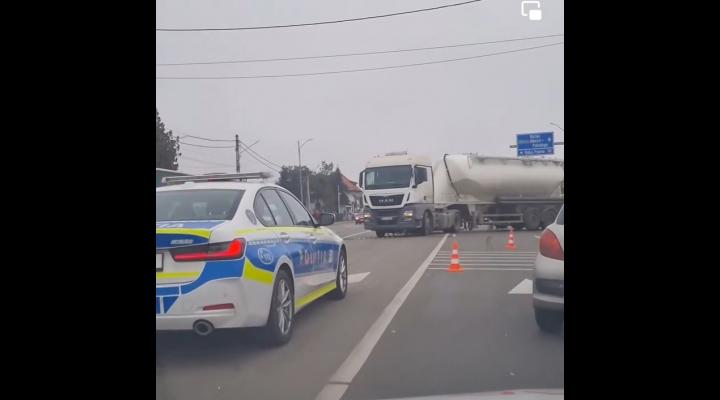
point(216, 177)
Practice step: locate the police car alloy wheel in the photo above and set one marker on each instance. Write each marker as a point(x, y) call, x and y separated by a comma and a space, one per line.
point(341, 281)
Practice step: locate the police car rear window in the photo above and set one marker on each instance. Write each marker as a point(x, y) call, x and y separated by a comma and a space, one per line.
point(197, 205)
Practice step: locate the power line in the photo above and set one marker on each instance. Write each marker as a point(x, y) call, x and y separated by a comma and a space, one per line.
point(184, 157)
point(314, 23)
point(354, 54)
point(354, 70)
point(208, 147)
point(208, 139)
point(257, 154)
point(264, 163)
point(262, 160)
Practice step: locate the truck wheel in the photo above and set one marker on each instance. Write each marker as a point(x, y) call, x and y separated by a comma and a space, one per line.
point(455, 226)
point(427, 225)
point(380, 234)
point(532, 218)
point(547, 216)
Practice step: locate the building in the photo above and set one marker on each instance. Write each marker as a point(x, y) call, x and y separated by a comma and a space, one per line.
point(354, 194)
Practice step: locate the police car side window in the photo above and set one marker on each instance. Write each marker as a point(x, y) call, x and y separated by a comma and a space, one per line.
point(302, 217)
point(262, 212)
point(277, 208)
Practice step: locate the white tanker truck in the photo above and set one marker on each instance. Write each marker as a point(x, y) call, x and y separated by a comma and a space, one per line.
point(405, 193)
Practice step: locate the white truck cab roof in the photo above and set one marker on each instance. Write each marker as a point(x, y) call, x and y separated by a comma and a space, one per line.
point(391, 159)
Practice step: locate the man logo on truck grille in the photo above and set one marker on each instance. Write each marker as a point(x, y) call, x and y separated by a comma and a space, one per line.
point(386, 200)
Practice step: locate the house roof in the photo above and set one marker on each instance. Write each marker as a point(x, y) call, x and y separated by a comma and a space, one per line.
point(350, 186)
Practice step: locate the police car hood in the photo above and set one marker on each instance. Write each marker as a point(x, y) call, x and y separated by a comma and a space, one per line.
point(170, 234)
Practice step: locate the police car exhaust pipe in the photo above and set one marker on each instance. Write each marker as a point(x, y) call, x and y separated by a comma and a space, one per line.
point(203, 328)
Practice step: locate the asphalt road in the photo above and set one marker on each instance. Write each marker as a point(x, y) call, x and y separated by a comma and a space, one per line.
point(449, 333)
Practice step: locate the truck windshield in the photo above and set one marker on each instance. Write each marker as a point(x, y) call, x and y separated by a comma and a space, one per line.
point(397, 176)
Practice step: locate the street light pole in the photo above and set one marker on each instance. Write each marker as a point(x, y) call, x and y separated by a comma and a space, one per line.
point(302, 197)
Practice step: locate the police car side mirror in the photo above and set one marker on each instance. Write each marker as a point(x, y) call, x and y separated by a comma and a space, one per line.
point(326, 219)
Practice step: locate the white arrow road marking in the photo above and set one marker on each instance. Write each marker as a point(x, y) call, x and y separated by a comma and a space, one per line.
point(355, 234)
point(524, 287)
point(355, 278)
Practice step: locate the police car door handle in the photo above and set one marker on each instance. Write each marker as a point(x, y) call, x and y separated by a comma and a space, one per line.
point(284, 237)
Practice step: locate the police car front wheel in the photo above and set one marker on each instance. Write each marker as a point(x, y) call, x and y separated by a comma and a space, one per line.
point(282, 310)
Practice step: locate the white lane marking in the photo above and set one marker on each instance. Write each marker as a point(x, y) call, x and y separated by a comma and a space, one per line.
point(484, 269)
point(355, 278)
point(332, 391)
point(342, 378)
point(524, 287)
point(536, 236)
point(355, 234)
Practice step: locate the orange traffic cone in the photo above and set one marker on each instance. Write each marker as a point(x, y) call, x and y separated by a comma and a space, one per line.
point(455, 259)
point(511, 240)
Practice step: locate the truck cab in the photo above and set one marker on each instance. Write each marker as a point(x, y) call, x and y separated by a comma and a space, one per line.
point(398, 194)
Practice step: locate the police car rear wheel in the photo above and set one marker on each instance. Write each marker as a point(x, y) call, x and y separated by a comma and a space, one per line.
point(341, 279)
point(282, 309)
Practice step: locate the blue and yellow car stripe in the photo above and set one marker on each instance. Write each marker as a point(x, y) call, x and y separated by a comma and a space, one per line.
point(258, 264)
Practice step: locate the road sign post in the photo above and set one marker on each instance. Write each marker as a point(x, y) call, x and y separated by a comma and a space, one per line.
point(535, 144)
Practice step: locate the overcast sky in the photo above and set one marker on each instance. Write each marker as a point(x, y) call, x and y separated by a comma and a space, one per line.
point(474, 105)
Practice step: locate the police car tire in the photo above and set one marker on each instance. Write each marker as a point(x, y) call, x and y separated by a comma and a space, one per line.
point(339, 293)
point(272, 334)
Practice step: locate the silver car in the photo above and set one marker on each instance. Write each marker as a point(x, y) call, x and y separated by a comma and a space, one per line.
point(549, 280)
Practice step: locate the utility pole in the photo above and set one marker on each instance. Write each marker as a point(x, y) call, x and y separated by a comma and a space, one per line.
point(302, 198)
point(237, 153)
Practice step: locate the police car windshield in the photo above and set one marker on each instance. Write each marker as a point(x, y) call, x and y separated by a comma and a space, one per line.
point(388, 177)
point(197, 205)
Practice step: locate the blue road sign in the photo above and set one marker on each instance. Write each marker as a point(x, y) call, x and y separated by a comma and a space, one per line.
point(535, 144)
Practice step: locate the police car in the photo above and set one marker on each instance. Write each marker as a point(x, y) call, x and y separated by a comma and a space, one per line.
point(232, 253)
